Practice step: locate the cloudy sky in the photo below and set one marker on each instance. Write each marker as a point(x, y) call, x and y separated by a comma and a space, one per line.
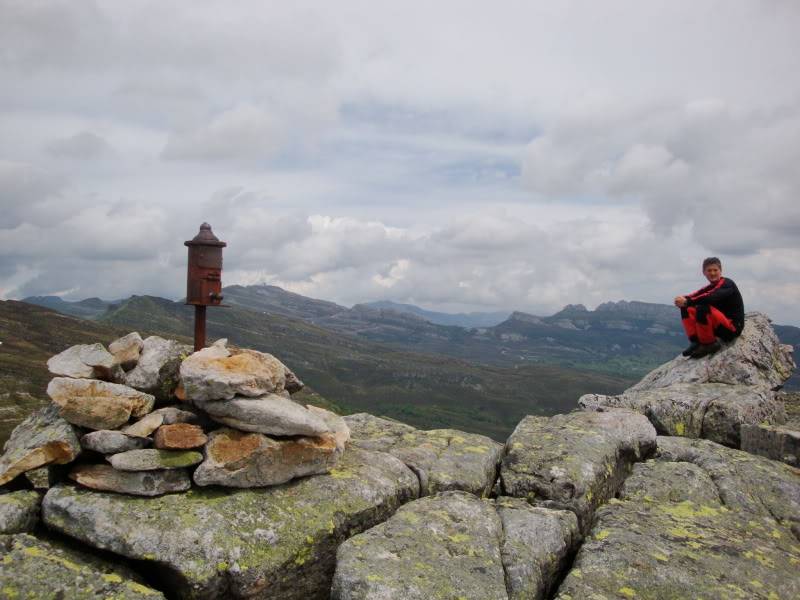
point(458, 155)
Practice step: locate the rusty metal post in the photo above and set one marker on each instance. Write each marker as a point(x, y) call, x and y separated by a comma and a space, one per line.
point(204, 278)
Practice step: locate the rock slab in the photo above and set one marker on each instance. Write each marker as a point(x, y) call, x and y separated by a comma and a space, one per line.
point(151, 459)
point(34, 568)
point(179, 436)
point(271, 414)
point(106, 478)
point(85, 361)
point(443, 459)
point(41, 439)
point(97, 404)
point(575, 461)
point(212, 543)
point(775, 442)
point(442, 546)
point(111, 441)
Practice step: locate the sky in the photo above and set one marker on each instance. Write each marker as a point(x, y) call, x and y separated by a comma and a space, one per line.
point(458, 155)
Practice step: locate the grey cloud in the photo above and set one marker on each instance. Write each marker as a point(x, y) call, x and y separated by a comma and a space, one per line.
point(84, 145)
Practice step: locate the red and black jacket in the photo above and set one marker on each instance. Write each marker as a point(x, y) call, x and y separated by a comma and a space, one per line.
point(722, 295)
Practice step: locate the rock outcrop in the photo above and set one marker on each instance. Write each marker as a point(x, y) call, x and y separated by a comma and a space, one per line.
point(713, 397)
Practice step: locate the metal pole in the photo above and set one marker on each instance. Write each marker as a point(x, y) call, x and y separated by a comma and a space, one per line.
point(199, 327)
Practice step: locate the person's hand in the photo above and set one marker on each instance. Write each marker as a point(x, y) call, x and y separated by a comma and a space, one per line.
point(680, 301)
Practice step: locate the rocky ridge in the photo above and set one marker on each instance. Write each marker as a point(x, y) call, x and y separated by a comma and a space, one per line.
point(591, 504)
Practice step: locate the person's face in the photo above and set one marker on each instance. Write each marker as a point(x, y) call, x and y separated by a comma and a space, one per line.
point(713, 273)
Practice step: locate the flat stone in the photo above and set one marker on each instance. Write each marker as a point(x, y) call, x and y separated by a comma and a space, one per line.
point(714, 411)
point(666, 539)
point(34, 568)
point(41, 439)
point(97, 404)
point(237, 459)
point(85, 361)
point(19, 511)
point(144, 426)
point(157, 370)
point(217, 374)
point(109, 441)
point(745, 482)
point(151, 459)
point(441, 546)
point(537, 545)
point(755, 358)
point(278, 542)
point(775, 442)
point(575, 461)
point(139, 483)
point(443, 459)
point(179, 436)
point(126, 350)
point(271, 414)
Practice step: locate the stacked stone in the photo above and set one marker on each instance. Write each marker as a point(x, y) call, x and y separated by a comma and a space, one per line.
point(235, 417)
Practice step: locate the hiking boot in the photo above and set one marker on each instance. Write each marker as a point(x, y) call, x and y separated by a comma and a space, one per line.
point(691, 348)
point(706, 349)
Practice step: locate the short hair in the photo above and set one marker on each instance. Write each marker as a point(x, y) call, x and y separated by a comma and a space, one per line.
point(712, 260)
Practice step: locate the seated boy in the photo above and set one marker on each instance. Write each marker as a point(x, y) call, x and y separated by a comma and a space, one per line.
point(715, 311)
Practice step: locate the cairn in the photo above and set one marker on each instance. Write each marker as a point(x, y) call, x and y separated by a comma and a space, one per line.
point(148, 417)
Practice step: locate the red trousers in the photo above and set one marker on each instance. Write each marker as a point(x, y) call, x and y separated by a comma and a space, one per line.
point(704, 323)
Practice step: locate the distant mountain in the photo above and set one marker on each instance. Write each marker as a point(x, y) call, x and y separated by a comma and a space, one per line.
point(85, 309)
point(468, 320)
point(274, 300)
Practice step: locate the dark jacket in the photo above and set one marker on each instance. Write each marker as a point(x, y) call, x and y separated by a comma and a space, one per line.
point(724, 296)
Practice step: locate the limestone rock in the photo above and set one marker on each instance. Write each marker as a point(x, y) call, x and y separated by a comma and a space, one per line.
point(19, 511)
point(41, 439)
point(443, 459)
point(179, 436)
point(271, 414)
point(237, 459)
point(744, 482)
point(34, 568)
point(666, 539)
point(278, 542)
point(755, 358)
point(85, 361)
point(715, 411)
point(775, 442)
point(575, 461)
point(139, 483)
point(97, 404)
point(126, 350)
point(107, 441)
point(216, 374)
point(157, 370)
point(151, 459)
point(442, 546)
point(144, 426)
point(537, 544)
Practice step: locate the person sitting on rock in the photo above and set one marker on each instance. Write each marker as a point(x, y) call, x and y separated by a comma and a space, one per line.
point(715, 311)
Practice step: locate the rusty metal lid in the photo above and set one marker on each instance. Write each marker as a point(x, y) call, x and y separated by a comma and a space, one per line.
point(205, 237)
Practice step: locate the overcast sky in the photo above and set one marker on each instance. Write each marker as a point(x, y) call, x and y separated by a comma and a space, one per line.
point(456, 155)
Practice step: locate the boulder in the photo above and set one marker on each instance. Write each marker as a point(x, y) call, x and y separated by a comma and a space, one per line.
point(156, 372)
point(151, 459)
point(34, 568)
point(179, 436)
point(19, 511)
point(443, 459)
point(673, 534)
point(237, 459)
point(278, 542)
point(575, 461)
point(144, 426)
point(107, 441)
point(537, 545)
point(85, 361)
point(715, 411)
point(105, 478)
point(41, 439)
point(441, 546)
point(271, 414)
point(755, 358)
point(216, 374)
point(775, 442)
point(126, 350)
point(97, 404)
